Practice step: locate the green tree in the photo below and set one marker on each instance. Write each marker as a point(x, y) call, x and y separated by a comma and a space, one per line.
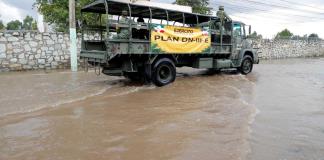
point(27, 23)
point(285, 34)
point(34, 25)
point(313, 36)
point(14, 25)
point(298, 37)
point(198, 6)
point(57, 12)
point(255, 35)
point(2, 27)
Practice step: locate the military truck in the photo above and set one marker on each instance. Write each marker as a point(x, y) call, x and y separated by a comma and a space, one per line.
point(148, 43)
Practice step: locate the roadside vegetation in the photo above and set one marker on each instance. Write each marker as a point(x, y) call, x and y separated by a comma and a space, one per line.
point(286, 34)
point(27, 24)
point(255, 35)
point(1, 25)
point(56, 13)
point(198, 6)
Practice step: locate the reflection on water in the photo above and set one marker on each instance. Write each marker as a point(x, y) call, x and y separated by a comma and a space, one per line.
point(27, 92)
point(289, 94)
point(198, 117)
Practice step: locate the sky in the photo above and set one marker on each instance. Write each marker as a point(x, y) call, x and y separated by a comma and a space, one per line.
point(267, 17)
point(16, 9)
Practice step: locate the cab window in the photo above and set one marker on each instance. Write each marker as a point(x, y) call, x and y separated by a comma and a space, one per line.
point(237, 30)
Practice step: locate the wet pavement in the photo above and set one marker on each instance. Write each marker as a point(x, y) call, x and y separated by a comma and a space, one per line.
point(273, 113)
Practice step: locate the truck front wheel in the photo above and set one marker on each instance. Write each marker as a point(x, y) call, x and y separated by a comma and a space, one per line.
point(247, 65)
point(164, 72)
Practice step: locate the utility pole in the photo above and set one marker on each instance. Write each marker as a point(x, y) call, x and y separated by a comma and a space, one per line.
point(73, 37)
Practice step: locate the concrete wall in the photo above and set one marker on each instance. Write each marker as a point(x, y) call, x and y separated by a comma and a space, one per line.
point(31, 50)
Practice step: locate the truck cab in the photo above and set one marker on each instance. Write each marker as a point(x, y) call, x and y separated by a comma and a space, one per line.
point(243, 44)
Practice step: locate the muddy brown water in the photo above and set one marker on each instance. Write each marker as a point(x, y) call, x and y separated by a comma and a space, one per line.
point(277, 112)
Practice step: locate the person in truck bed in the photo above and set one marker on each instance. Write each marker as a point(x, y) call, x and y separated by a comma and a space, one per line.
point(123, 32)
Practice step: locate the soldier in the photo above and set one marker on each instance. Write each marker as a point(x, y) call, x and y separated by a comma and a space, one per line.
point(222, 15)
point(124, 31)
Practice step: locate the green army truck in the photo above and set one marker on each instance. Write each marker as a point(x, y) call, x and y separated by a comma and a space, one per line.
point(148, 43)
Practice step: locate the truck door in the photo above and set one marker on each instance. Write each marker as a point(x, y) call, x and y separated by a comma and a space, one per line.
point(239, 34)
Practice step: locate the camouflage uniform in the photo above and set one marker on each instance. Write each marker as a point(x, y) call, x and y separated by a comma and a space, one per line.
point(222, 15)
point(124, 31)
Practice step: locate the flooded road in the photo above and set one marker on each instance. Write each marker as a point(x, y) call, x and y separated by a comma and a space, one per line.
point(273, 113)
point(290, 97)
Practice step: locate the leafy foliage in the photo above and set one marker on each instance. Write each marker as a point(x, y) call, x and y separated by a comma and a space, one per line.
point(34, 26)
point(198, 6)
point(313, 36)
point(27, 23)
point(14, 25)
point(2, 27)
point(298, 37)
point(255, 35)
point(285, 34)
point(57, 12)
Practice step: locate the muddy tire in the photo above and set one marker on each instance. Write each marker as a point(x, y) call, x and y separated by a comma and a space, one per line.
point(247, 65)
point(163, 72)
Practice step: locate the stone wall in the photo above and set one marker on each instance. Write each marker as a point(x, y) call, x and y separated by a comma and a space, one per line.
point(32, 50)
point(285, 48)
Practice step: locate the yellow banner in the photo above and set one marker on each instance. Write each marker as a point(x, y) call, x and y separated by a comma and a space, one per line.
point(172, 39)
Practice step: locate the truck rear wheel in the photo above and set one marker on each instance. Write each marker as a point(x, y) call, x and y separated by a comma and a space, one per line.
point(247, 65)
point(164, 72)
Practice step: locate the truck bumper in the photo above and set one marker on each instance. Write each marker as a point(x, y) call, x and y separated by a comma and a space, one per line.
point(93, 56)
point(113, 72)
